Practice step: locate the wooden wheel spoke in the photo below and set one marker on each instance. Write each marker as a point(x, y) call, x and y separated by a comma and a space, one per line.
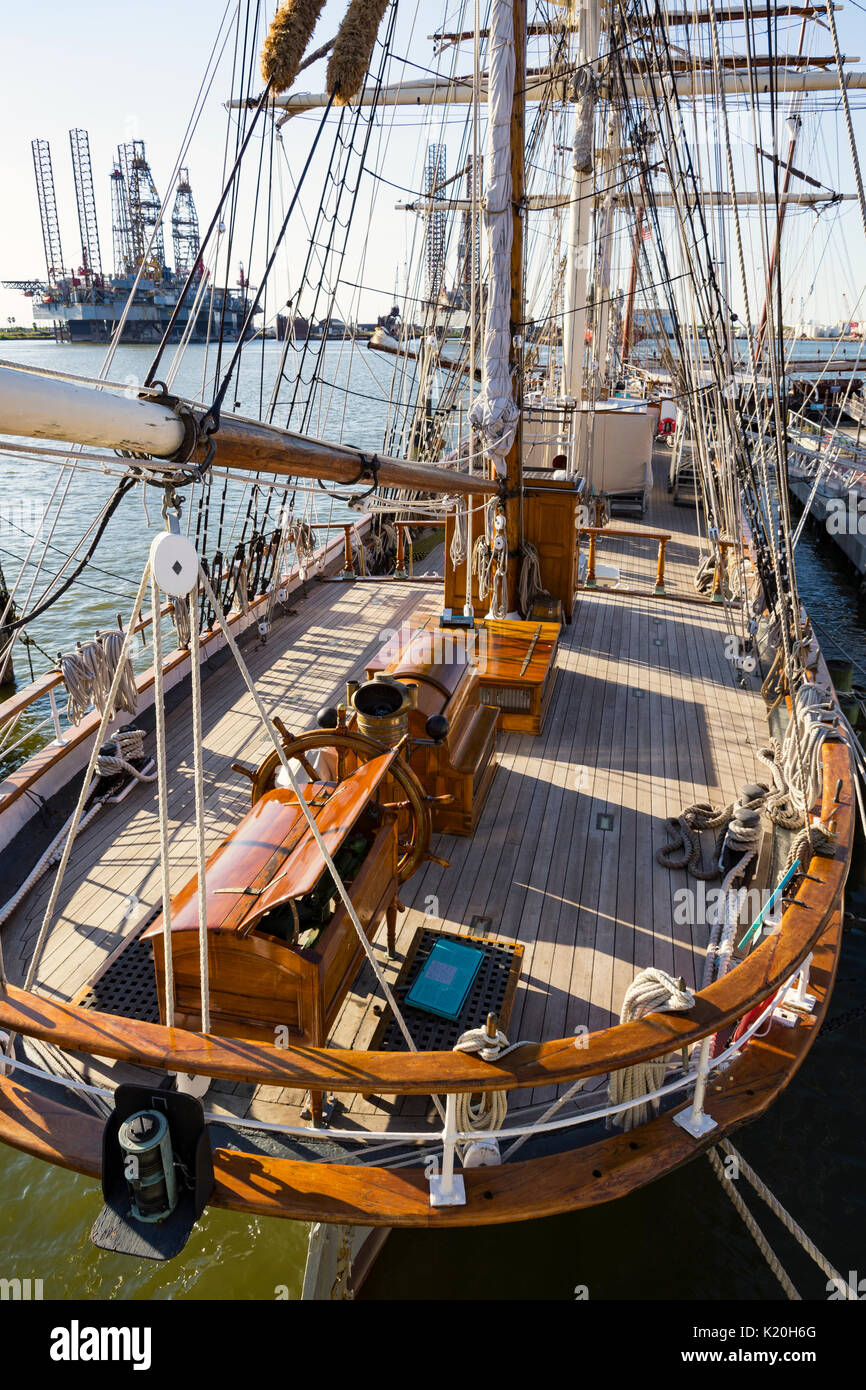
point(307, 766)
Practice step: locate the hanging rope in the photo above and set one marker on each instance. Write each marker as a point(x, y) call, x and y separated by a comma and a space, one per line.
point(786, 1219)
point(489, 1111)
point(88, 674)
point(198, 773)
point(753, 1228)
point(529, 585)
point(652, 991)
point(179, 610)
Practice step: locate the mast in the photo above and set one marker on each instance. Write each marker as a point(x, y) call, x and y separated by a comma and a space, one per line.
point(514, 457)
point(628, 316)
point(585, 16)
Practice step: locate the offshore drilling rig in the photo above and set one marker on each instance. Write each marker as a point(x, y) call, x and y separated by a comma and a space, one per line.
point(86, 304)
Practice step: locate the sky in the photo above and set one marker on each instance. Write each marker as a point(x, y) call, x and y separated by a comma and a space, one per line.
point(124, 72)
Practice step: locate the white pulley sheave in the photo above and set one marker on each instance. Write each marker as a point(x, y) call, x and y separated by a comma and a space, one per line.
point(174, 562)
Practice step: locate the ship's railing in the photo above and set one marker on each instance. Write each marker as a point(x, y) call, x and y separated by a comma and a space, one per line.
point(661, 539)
point(450, 1135)
point(761, 975)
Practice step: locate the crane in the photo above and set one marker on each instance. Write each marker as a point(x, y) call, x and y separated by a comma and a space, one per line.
point(48, 210)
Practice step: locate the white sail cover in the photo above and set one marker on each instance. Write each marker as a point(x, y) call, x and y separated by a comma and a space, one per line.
point(494, 413)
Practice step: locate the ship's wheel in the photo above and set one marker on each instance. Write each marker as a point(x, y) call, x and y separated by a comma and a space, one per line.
point(403, 793)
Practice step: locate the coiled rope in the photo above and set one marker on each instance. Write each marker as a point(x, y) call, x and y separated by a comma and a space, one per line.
point(88, 673)
point(683, 850)
point(651, 992)
point(488, 1112)
point(530, 578)
point(818, 716)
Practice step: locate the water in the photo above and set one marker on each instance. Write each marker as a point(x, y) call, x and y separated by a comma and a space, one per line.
point(678, 1239)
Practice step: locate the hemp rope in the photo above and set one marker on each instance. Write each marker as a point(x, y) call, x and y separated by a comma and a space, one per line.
point(786, 1218)
point(490, 1110)
point(286, 42)
point(162, 776)
point(87, 674)
point(651, 991)
point(753, 1228)
point(353, 49)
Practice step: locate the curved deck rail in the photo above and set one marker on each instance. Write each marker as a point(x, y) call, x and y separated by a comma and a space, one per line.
point(581, 1176)
point(356, 1194)
point(425, 1073)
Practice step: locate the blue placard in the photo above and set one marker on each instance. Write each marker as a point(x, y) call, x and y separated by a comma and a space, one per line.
point(445, 979)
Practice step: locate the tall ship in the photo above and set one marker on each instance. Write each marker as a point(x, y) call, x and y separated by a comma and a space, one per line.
point(371, 891)
point(138, 301)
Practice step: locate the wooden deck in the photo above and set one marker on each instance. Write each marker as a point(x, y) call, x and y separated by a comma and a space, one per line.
point(646, 717)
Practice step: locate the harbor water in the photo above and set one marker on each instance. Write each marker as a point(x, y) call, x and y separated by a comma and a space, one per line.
point(808, 1148)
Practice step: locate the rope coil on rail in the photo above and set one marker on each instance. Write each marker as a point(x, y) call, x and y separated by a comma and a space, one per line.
point(88, 673)
point(489, 1112)
point(651, 991)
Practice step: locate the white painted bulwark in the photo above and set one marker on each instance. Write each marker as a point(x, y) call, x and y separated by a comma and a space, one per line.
point(43, 408)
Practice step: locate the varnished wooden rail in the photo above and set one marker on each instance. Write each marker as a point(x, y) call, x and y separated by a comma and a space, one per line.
point(425, 1073)
point(621, 533)
point(361, 1195)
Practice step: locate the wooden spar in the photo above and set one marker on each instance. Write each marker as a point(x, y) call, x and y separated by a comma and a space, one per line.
point(672, 19)
point(514, 458)
point(253, 447)
point(42, 407)
point(547, 87)
point(663, 198)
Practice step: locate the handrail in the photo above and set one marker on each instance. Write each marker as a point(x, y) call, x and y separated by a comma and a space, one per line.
point(621, 533)
point(426, 1073)
point(435, 1136)
point(564, 1181)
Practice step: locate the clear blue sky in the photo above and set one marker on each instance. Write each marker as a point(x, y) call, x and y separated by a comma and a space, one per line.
point(124, 71)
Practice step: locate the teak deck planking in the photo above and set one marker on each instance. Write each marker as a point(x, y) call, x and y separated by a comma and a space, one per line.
point(590, 906)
